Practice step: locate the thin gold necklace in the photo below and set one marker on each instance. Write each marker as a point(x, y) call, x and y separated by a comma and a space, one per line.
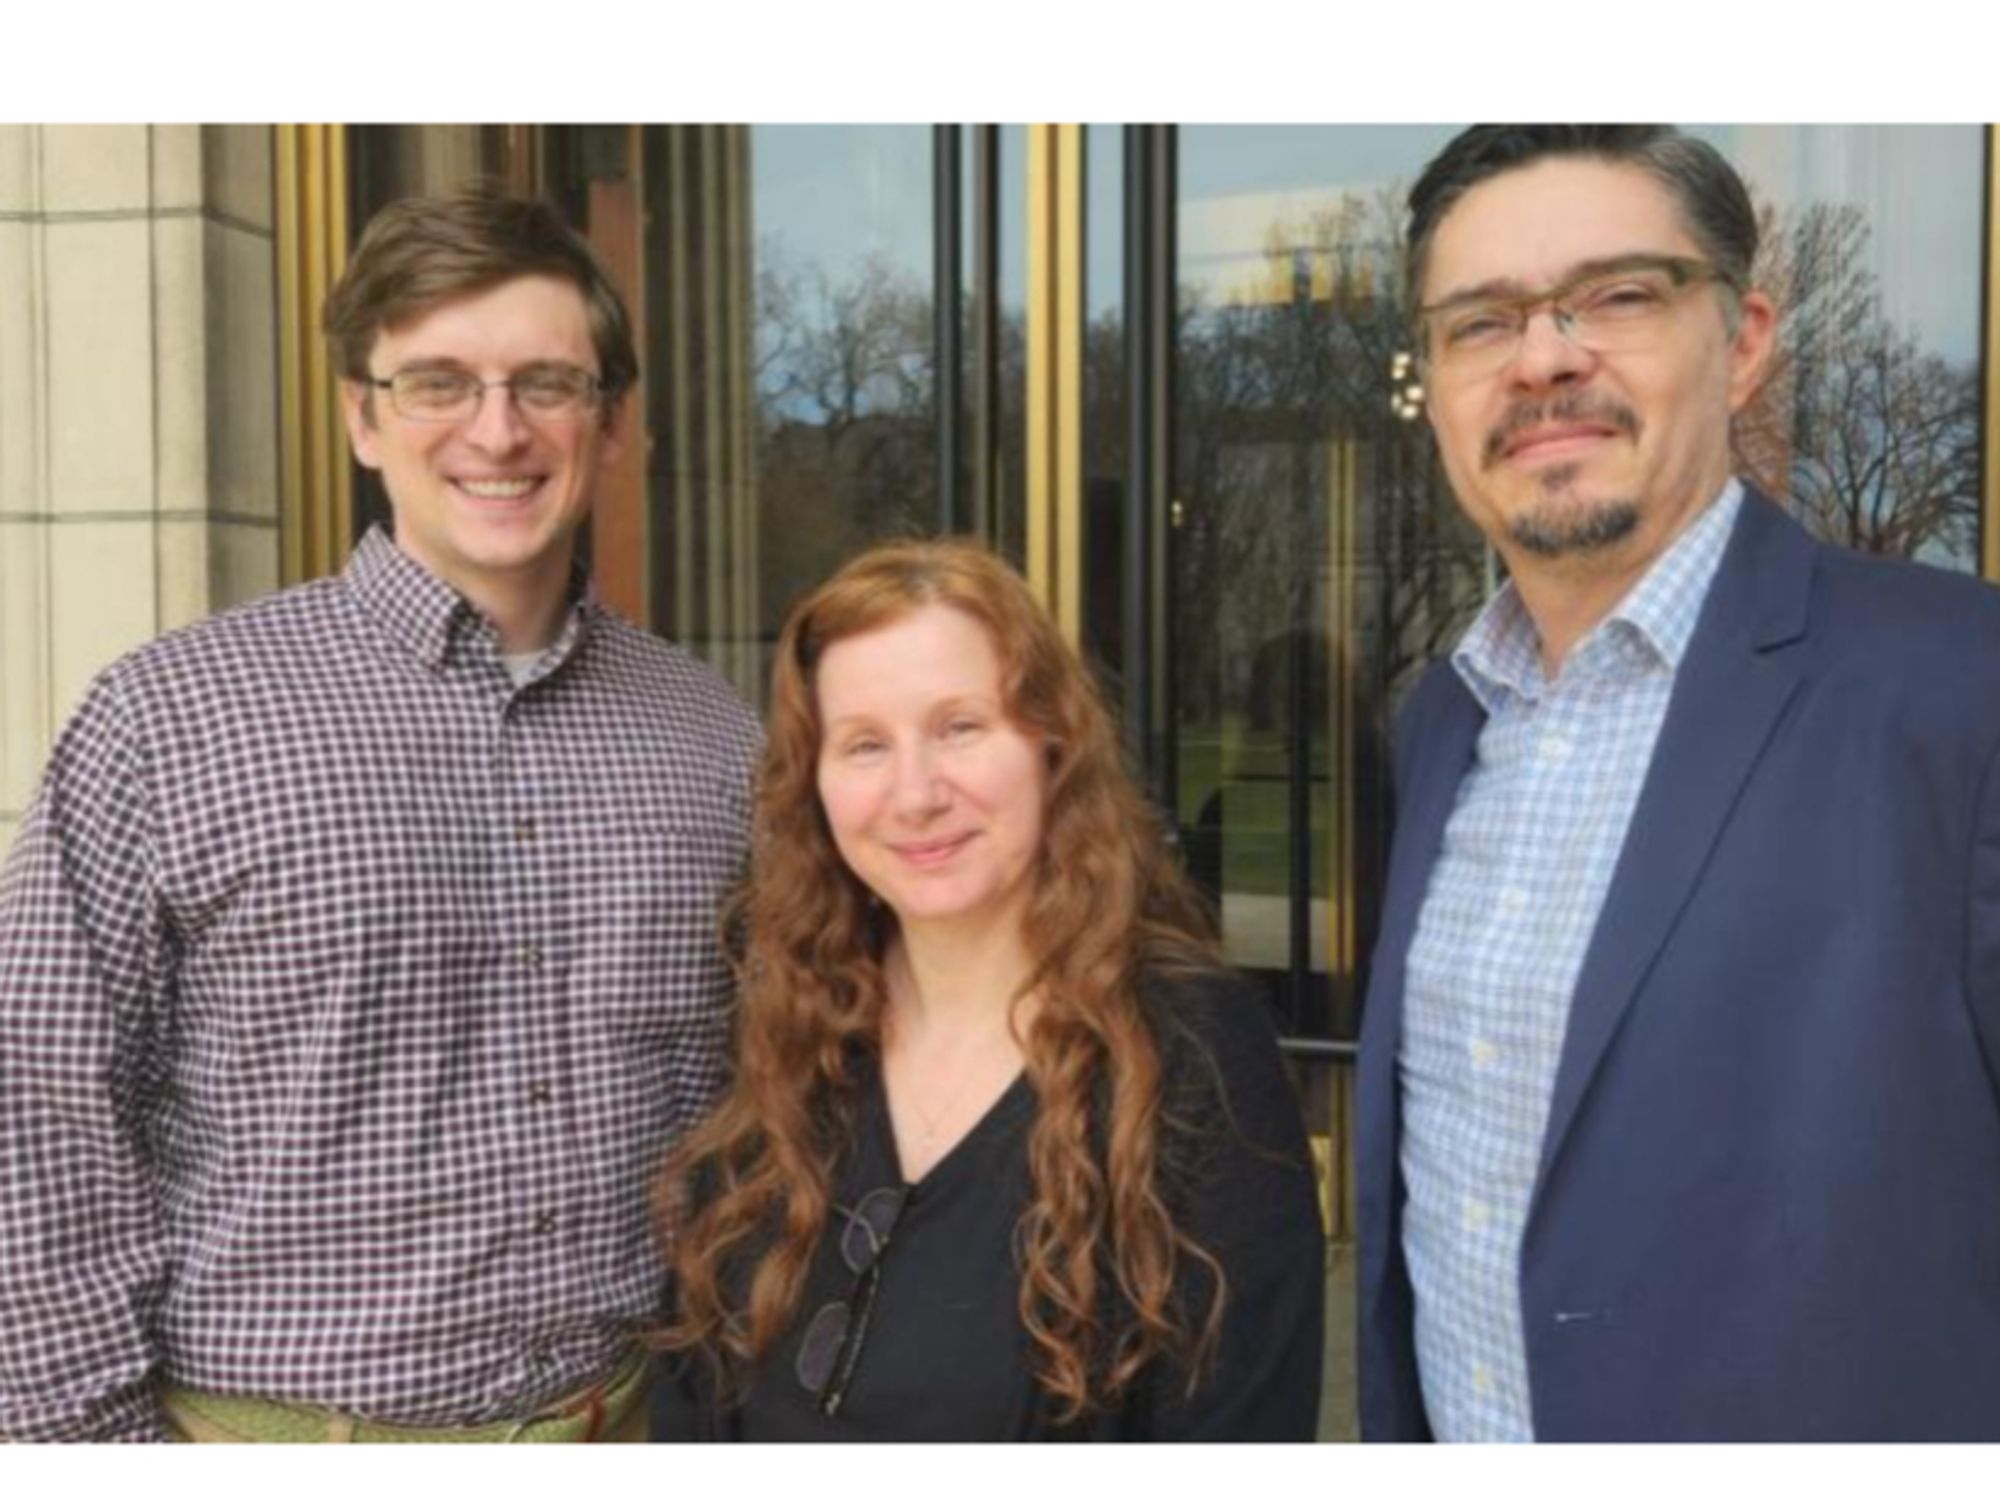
point(932, 1120)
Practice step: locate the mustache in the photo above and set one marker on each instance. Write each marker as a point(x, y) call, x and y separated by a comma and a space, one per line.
point(1577, 406)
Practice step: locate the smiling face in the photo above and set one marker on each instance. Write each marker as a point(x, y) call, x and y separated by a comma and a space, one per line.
point(934, 796)
point(1564, 453)
point(491, 503)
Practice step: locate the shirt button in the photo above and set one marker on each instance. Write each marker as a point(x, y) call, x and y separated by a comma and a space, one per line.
point(1474, 1213)
point(1513, 898)
point(531, 957)
point(545, 1222)
point(538, 1092)
point(1484, 1054)
point(1554, 749)
point(524, 830)
point(1482, 1378)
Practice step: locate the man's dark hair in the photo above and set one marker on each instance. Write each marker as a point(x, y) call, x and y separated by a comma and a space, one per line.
point(419, 253)
point(1712, 198)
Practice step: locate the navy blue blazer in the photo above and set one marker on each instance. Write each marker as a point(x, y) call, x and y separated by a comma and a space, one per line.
point(1768, 1202)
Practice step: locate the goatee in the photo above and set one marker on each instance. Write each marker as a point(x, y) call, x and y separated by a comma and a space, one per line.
point(1565, 528)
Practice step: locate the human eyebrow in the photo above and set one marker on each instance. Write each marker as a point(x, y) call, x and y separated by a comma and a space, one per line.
point(1512, 288)
point(437, 365)
point(1499, 289)
point(853, 726)
point(1618, 265)
point(977, 706)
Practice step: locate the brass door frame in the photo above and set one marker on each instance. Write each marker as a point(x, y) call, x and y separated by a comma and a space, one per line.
point(1055, 372)
point(316, 501)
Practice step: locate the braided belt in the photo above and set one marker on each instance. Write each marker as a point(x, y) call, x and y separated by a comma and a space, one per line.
point(586, 1416)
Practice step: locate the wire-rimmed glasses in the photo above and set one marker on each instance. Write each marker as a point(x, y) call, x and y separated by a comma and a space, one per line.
point(1608, 308)
point(445, 393)
point(832, 1344)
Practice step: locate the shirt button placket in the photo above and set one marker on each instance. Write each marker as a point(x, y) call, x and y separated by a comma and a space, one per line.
point(522, 850)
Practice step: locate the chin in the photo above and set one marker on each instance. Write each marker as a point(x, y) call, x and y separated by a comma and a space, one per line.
point(1574, 527)
point(920, 912)
point(936, 911)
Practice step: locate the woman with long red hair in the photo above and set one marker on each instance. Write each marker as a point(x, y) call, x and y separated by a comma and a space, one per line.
point(1006, 1156)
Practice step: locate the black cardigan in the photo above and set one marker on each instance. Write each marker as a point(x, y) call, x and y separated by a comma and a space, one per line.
point(945, 1356)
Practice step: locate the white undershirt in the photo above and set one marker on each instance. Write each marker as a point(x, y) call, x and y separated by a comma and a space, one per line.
point(521, 666)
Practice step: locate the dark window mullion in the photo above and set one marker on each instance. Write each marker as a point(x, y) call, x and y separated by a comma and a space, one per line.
point(947, 311)
point(1149, 333)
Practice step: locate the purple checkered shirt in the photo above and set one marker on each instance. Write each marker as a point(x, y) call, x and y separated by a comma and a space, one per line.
point(349, 993)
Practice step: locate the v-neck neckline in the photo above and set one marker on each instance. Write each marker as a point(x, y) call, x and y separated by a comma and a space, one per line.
point(1012, 1099)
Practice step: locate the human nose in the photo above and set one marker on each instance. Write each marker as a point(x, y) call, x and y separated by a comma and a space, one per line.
point(496, 423)
point(1549, 353)
point(919, 790)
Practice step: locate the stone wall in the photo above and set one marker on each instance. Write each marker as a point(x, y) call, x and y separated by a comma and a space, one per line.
point(138, 403)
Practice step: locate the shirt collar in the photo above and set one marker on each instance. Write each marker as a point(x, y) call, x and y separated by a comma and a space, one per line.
point(1501, 652)
point(426, 615)
point(1667, 601)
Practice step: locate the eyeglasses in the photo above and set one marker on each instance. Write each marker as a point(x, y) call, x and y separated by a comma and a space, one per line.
point(443, 394)
point(832, 1343)
point(1613, 309)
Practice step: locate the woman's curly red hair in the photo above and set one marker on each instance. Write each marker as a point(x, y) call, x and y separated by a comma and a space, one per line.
point(744, 1198)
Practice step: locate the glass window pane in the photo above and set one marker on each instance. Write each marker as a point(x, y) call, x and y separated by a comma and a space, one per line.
point(790, 390)
point(1320, 561)
point(1870, 426)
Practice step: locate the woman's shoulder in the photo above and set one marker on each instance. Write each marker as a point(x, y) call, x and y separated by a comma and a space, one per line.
point(1192, 1009)
point(1219, 1050)
point(1238, 1179)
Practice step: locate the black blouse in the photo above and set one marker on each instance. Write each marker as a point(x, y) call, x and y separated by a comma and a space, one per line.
point(937, 1351)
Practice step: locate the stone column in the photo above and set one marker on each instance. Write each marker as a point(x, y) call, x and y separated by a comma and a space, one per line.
point(138, 403)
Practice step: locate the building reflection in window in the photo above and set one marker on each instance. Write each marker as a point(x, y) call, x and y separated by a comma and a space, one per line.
point(1870, 425)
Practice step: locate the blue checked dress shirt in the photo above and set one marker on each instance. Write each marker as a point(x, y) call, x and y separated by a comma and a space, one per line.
point(350, 992)
point(1527, 858)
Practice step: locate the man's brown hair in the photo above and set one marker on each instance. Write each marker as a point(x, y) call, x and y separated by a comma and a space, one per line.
point(1711, 196)
point(419, 253)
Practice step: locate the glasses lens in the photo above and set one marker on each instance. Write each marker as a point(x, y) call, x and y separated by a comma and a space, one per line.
point(869, 1224)
point(1621, 307)
point(819, 1350)
point(1475, 331)
point(428, 394)
point(555, 388)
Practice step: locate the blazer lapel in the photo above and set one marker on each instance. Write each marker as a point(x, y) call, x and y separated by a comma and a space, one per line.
point(1735, 680)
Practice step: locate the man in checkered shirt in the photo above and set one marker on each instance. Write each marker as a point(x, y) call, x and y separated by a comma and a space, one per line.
point(358, 955)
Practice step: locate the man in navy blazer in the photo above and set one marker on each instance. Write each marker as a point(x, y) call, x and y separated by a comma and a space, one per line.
point(1678, 1102)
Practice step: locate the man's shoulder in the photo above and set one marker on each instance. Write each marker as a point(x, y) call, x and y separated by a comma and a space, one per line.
point(1919, 643)
point(1909, 622)
point(688, 687)
point(1892, 593)
point(156, 691)
point(265, 633)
